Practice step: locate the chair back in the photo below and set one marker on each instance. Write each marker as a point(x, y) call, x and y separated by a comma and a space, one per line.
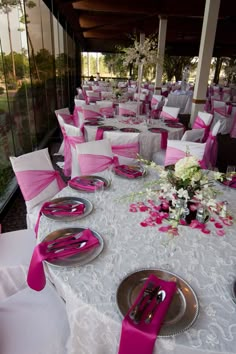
point(194, 135)
point(124, 145)
point(93, 157)
point(128, 109)
point(72, 136)
point(106, 108)
point(36, 177)
point(169, 113)
point(91, 112)
point(93, 96)
point(177, 150)
point(203, 121)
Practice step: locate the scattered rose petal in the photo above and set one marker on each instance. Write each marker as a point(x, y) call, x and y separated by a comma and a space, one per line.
point(220, 232)
point(218, 225)
point(182, 222)
point(164, 228)
point(143, 208)
point(212, 219)
point(193, 207)
point(227, 222)
point(144, 224)
point(206, 231)
point(133, 210)
point(159, 220)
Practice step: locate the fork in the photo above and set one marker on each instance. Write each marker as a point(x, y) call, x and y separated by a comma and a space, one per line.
point(147, 292)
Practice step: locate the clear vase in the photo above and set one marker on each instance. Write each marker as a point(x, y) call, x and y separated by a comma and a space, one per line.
point(140, 77)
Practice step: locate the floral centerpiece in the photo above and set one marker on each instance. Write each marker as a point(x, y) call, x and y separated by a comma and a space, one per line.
point(184, 195)
point(141, 52)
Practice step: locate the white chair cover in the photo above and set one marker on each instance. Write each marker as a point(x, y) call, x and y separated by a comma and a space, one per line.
point(194, 149)
point(194, 135)
point(58, 112)
point(30, 322)
point(226, 122)
point(93, 96)
point(128, 108)
point(36, 161)
point(124, 139)
point(97, 147)
point(169, 113)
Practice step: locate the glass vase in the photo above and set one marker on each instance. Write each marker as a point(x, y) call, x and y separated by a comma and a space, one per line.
point(140, 76)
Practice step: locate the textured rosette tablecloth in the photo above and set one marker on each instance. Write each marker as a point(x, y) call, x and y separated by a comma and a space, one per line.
point(206, 262)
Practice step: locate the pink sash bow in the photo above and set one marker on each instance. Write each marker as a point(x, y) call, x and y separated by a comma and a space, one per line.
point(107, 111)
point(198, 124)
point(90, 114)
point(220, 110)
point(168, 116)
point(90, 163)
point(173, 155)
point(128, 150)
point(33, 182)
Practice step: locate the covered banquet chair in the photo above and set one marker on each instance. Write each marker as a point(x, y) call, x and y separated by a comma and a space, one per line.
point(157, 103)
point(92, 157)
point(30, 322)
point(203, 121)
point(106, 108)
point(177, 149)
point(194, 135)
point(170, 113)
point(124, 145)
point(128, 109)
point(37, 180)
point(64, 113)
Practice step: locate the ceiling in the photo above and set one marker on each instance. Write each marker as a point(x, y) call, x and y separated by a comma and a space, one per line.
point(103, 25)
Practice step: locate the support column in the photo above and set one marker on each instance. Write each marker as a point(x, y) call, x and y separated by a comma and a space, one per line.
point(160, 53)
point(205, 56)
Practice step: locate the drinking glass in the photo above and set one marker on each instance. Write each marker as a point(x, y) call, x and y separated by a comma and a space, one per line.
point(229, 174)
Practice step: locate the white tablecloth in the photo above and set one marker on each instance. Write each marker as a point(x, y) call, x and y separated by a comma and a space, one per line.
point(207, 262)
point(149, 143)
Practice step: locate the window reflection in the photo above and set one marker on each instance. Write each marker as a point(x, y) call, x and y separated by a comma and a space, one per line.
point(37, 76)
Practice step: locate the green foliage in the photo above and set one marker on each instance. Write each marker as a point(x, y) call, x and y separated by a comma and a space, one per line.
point(1, 90)
point(115, 64)
point(6, 174)
point(173, 66)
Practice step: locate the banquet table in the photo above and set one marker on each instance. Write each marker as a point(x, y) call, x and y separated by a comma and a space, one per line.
point(149, 142)
point(206, 262)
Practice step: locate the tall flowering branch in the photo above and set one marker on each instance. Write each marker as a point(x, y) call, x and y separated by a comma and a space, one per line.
point(141, 53)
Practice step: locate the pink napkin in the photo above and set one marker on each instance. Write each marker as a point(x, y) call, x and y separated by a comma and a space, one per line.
point(140, 338)
point(127, 171)
point(164, 136)
point(59, 248)
point(85, 184)
point(50, 208)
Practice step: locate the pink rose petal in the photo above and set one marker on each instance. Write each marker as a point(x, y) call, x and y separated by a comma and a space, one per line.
point(182, 222)
point(206, 231)
point(143, 224)
point(164, 228)
point(212, 219)
point(133, 210)
point(220, 232)
point(143, 208)
point(218, 225)
point(193, 207)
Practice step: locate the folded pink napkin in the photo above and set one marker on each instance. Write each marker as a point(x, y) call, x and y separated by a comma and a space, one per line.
point(139, 338)
point(59, 248)
point(85, 184)
point(127, 171)
point(51, 208)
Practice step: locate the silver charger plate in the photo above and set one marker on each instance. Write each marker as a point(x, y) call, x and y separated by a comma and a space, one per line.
point(135, 168)
point(92, 179)
point(79, 259)
point(130, 130)
point(184, 307)
point(72, 200)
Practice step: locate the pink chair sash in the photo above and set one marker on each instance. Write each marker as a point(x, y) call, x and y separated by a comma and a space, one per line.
point(221, 110)
point(70, 141)
point(128, 150)
point(125, 111)
point(77, 110)
point(90, 163)
point(68, 118)
point(198, 124)
point(210, 154)
point(33, 182)
point(229, 110)
point(173, 155)
point(154, 102)
point(90, 114)
point(168, 116)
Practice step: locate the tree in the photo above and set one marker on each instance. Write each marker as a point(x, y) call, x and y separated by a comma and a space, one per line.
point(173, 66)
point(6, 7)
point(115, 64)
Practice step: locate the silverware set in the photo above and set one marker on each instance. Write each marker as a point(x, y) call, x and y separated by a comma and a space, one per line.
point(151, 292)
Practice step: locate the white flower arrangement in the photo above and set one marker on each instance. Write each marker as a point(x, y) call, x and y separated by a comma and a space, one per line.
point(141, 53)
point(182, 193)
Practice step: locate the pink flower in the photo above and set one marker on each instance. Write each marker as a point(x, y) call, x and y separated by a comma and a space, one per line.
point(220, 232)
point(218, 225)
